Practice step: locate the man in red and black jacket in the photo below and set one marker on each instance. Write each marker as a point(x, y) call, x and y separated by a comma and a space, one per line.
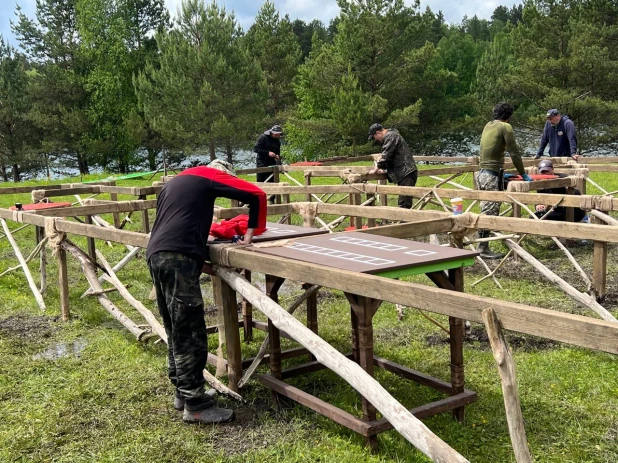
point(176, 256)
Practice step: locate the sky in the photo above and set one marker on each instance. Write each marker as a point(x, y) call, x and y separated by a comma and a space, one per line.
point(307, 10)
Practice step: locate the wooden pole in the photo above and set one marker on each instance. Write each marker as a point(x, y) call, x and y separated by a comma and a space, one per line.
point(24, 266)
point(91, 276)
point(583, 299)
point(402, 420)
point(63, 285)
point(508, 377)
point(122, 290)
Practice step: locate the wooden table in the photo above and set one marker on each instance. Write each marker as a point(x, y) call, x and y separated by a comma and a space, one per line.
point(274, 232)
point(391, 258)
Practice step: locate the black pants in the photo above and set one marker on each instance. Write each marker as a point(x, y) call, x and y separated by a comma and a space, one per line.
point(559, 214)
point(179, 298)
point(263, 176)
point(408, 180)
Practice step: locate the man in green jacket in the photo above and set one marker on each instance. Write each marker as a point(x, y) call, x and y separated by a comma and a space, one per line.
point(497, 138)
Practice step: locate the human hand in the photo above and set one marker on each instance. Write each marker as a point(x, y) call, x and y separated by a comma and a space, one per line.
point(526, 178)
point(272, 155)
point(575, 157)
point(540, 207)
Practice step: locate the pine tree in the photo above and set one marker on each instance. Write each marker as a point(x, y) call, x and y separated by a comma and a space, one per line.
point(206, 86)
point(272, 41)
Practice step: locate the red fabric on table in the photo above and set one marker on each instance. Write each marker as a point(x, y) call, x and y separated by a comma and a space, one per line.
point(40, 206)
point(226, 229)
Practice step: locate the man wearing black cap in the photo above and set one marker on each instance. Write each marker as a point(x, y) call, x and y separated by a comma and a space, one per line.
point(559, 132)
point(268, 150)
point(559, 213)
point(396, 160)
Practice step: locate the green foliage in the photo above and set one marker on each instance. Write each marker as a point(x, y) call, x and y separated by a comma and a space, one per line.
point(57, 85)
point(272, 41)
point(206, 83)
point(16, 131)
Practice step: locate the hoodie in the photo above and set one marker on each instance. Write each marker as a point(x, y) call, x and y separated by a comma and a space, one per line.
point(561, 138)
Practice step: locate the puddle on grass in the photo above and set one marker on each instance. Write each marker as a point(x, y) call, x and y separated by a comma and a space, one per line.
point(62, 349)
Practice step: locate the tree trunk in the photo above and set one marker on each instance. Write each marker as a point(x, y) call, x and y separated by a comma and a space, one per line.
point(229, 152)
point(15, 173)
point(3, 172)
point(152, 158)
point(211, 146)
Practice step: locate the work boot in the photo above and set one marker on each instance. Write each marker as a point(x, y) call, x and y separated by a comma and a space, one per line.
point(179, 400)
point(202, 410)
point(487, 253)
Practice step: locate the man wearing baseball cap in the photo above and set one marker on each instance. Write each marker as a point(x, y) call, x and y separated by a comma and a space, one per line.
point(396, 160)
point(559, 132)
point(559, 213)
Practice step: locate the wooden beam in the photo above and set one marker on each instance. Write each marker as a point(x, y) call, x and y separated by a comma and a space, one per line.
point(568, 328)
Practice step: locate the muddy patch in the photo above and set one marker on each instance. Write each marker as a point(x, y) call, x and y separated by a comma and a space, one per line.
point(258, 425)
point(22, 329)
point(478, 338)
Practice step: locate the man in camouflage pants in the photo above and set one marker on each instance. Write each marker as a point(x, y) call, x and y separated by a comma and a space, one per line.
point(176, 256)
point(497, 138)
point(396, 160)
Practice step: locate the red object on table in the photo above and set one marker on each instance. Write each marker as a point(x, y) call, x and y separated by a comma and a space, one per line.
point(535, 177)
point(40, 206)
point(227, 229)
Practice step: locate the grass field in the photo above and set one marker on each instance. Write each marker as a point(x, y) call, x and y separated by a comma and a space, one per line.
point(87, 391)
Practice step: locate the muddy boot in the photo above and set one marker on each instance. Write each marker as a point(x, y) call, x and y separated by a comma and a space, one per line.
point(487, 253)
point(202, 410)
point(179, 400)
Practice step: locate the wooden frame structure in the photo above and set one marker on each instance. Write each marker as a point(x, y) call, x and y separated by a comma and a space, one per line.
point(367, 290)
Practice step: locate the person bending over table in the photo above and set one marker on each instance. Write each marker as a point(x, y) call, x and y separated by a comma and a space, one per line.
point(177, 255)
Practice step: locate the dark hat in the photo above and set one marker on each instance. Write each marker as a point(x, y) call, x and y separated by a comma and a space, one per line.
point(552, 113)
point(545, 166)
point(373, 129)
point(276, 129)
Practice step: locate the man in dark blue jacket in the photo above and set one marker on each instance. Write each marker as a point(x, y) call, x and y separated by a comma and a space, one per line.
point(559, 132)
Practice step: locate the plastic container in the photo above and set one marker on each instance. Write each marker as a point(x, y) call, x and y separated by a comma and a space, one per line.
point(457, 205)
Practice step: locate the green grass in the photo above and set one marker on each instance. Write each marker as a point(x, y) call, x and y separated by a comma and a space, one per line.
point(112, 401)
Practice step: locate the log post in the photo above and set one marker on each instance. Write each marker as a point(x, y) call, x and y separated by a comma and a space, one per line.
point(308, 183)
point(227, 298)
point(40, 235)
point(92, 249)
point(145, 219)
point(63, 285)
point(247, 311)
point(508, 377)
point(383, 196)
point(116, 215)
point(456, 330)
point(371, 222)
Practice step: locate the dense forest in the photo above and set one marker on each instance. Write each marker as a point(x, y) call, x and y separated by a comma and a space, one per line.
point(118, 85)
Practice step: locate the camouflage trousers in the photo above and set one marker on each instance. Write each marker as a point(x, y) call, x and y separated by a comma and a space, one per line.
point(488, 181)
point(179, 298)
